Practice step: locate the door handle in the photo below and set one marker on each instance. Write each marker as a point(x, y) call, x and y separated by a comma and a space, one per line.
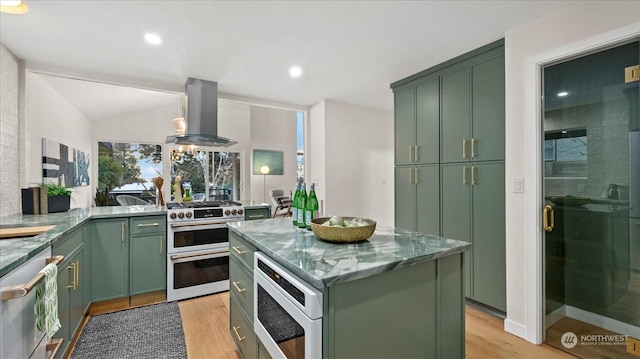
point(417, 176)
point(464, 175)
point(473, 147)
point(72, 267)
point(235, 329)
point(548, 218)
point(473, 175)
point(464, 148)
point(161, 240)
point(122, 232)
point(237, 249)
point(410, 154)
point(416, 152)
point(410, 175)
point(77, 274)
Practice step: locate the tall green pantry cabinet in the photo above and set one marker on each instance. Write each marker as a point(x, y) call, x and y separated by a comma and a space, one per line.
point(449, 162)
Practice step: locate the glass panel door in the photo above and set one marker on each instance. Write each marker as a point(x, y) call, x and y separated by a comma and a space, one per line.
point(590, 164)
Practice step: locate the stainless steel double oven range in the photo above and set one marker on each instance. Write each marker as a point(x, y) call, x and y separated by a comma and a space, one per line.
point(198, 247)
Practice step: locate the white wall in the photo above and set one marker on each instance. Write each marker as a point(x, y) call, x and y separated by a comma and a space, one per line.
point(358, 160)
point(573, 29)
point(49, 115)
point(275, 130)
point(9, 133)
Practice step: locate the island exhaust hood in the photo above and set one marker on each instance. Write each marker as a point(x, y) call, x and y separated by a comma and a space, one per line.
point(201, 116)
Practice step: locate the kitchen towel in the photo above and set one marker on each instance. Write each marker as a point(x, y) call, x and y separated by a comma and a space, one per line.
point(46, 303)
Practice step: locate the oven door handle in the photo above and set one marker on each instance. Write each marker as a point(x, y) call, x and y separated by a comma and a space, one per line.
point(215, 254)
point(202, 225)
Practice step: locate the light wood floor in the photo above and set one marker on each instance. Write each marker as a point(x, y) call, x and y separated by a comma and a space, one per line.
point(206, 328)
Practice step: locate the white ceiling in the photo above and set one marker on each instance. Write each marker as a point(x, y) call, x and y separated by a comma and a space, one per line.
point(350, 51)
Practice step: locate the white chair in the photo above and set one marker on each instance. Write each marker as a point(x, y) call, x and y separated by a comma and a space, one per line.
point(198, 197)
point(126, 200)
point(281, 203)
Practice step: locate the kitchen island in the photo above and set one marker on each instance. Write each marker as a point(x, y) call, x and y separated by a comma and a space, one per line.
point(398, 294)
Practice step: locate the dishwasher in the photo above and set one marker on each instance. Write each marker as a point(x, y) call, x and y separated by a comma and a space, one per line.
point(287, 311)
point(19, 336)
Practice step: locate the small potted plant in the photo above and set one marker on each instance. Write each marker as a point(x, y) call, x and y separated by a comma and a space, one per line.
point(58, 198)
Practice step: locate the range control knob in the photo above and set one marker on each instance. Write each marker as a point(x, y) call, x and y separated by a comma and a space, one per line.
point(189, 214)
point(172, 216)
point(180, 215)
point(234, 211)
point(240, 211)
point(227, 212)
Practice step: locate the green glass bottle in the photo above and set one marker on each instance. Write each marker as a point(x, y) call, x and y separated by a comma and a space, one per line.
point(294, 205)
point(312, 207)
point(302, 205)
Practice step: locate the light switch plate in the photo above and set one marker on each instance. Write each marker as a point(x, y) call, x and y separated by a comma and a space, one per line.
point(518, 185)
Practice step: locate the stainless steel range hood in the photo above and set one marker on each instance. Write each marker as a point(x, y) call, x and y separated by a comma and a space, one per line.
point(201, 116)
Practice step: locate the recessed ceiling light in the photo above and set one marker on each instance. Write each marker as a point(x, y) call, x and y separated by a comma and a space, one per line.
point(13, 7)
point(153, 39)
point(295, 72)
point(562, 94)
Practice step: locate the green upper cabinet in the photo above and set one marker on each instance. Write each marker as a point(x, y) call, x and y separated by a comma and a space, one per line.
point(405, 125)
point(488, 110)
point(109, 258)
point(472, 121)
point(455, 116)
point(417, 122)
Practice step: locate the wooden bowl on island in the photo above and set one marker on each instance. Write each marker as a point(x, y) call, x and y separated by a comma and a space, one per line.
point(341, 234)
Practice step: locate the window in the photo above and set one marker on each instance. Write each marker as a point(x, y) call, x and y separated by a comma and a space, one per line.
point(128, 169)
point(300, 145)
point(220, 170)
point(565, 153)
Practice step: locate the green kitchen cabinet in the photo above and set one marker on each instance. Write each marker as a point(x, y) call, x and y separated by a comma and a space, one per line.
point(71, 282)
point(251, 214)
point(128, 256)
point(147, 255)
point(473, 211)
point(417, 198)
point(109, 259)
point(417, 122)
point(472, 119)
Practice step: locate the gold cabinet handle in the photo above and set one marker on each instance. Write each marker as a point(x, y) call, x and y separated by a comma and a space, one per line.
point(161, 240)
point(548, 218)
point(464, 175)
point(77, 274)
point(411, 176)
point(473, 175)
point(240, 290)
point(237, 249)
point(416, 152)
point(464, 148)
point(235, 329)
point(122, 232)
point(417, 176)
point(72, 267)
point(142, 225)
point(473, 147)
point(410, 154)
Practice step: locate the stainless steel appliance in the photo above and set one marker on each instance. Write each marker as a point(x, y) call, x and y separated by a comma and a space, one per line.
point(198, 247)
point(20, 337)
point(287, 312)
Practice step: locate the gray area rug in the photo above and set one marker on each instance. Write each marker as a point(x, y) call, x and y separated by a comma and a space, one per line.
point(154, 331)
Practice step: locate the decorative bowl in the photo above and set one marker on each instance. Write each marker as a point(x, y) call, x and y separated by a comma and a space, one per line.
point(569, 201)
point(339, 234)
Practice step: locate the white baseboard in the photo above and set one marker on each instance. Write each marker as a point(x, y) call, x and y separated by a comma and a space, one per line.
point(516, 329)
point(555, 316)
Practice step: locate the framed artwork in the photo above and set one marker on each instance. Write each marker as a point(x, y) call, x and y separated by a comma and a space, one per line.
point(64, 165)
point(272, 159)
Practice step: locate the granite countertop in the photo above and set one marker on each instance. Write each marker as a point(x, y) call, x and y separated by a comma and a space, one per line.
point(14, 252)
point(323, 264)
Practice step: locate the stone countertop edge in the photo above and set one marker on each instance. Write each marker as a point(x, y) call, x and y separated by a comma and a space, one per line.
point(323, 264)
point(14, 252)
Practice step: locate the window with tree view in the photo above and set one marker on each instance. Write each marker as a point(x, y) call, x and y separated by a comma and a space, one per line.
point(127, 169)
point(220, 170)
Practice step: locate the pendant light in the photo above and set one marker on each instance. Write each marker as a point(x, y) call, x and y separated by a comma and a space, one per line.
point(13, 7)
